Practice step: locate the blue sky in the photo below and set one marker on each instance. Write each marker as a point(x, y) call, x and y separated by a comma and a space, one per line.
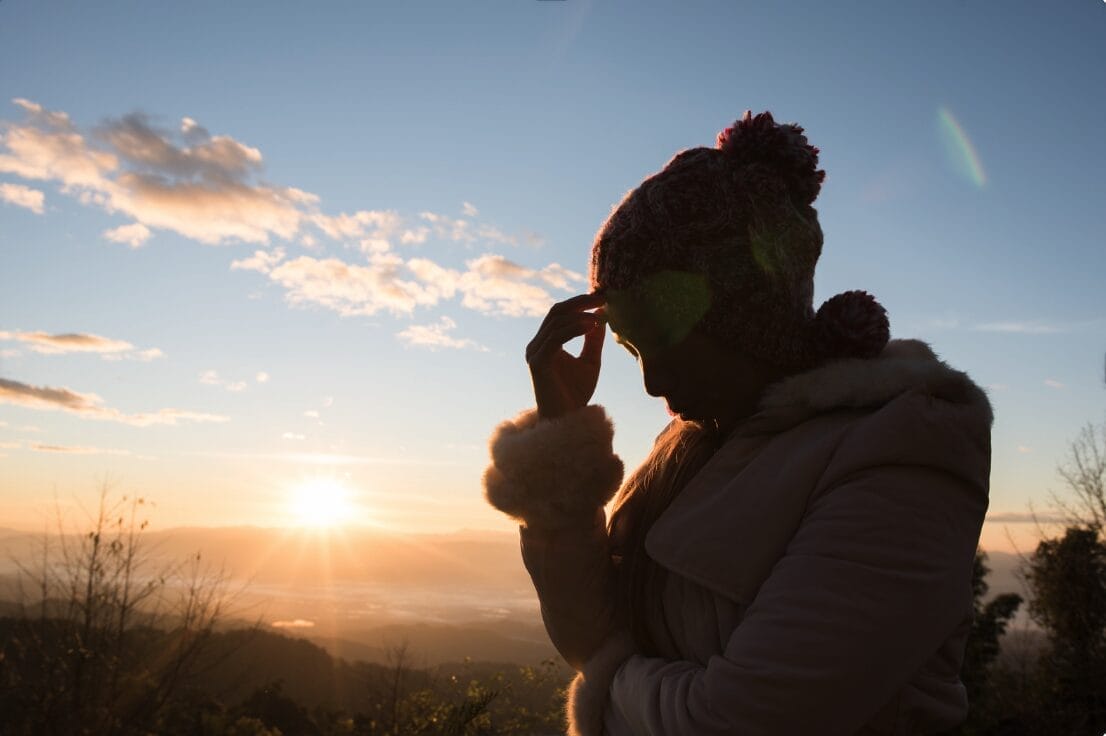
point(486, 142)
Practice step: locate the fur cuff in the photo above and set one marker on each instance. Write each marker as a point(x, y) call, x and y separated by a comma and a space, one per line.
point(552, 473)
point(589, 692)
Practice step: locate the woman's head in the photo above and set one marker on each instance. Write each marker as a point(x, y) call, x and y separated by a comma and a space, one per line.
point(738, 221)
point(701, 377)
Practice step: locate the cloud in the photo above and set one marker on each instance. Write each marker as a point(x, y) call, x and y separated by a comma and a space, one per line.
point(81, 342)
point(352, 289)
point(10, 445)
point(459, 230)
point(434, 336)
point(493, 284)
point(90, 406)
point(261, 261)
point(387, 283)
point(1023, 450)
point(76, 450)
point(296, 623)
point(22, 196)
point(1023, 328)
point(414, 236)
point(72, 342)
point(379, 224)
point(147, 355)
point(44, 117)
point(212, 378)
point(48, 148)
point(24, 428)
point(201, 186)
point(293, 436)
point(261, 377)
point(469, 209)
point(135, 235)
point(1053, 383)
point(1018, 517)
point(311, 414)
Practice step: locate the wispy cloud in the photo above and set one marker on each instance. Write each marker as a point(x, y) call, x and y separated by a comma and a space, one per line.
point(1024, 450)
point(296, 623)
point(81, 342)
point(435, 336)
point(1019, 517)
point(323, 458)
point(261, 377)
point(21, 196)
point(76, 450)
point(91, 406)
point(468, 232)
point(1053, 383)
point(1033, 327)
point(134, 235)
point(212, 378)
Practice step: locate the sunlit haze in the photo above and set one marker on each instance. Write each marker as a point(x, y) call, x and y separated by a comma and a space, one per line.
point(320, 502)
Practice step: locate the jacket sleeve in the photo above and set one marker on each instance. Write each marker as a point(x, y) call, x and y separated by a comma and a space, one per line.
point(554, 477)
point(876, 577)
point(553, 473)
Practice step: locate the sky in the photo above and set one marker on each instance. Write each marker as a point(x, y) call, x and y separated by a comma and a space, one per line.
point(255, 255)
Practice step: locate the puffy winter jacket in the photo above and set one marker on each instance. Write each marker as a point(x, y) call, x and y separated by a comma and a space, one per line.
point(819, 565)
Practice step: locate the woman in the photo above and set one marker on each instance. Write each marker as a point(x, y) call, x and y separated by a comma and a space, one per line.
point(795, 554)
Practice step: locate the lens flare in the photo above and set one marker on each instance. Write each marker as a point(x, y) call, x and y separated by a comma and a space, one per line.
point(959, 150)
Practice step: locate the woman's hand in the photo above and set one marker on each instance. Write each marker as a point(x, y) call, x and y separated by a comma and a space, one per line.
point(563, 382)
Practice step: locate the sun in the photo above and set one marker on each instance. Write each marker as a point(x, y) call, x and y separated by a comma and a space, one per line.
point(321, 503)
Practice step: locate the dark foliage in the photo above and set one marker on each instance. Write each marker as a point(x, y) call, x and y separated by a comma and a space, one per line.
point(253, 683)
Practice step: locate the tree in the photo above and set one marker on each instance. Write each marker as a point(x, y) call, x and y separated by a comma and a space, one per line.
point(988, 625)
point(1067, 577)
point(1084, 474)
point(108, 635)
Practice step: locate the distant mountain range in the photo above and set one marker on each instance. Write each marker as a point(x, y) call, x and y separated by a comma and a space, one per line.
point(361, 593)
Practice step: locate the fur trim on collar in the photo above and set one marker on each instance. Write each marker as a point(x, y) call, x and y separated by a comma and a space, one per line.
point(857, 383)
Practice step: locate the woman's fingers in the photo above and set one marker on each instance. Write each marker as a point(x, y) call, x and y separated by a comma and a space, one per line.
point(575, 305)
point(593, 339)
point(578, 302)
point(559, 330)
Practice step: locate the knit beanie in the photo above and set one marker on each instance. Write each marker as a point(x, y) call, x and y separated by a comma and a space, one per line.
point(740, 215)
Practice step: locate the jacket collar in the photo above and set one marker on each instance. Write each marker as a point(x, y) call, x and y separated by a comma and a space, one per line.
point(858, 383)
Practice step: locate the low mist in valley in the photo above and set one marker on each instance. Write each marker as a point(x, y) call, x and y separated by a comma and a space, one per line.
point(357, 593)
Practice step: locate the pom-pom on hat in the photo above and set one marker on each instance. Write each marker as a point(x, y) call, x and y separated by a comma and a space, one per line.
point(741, 214)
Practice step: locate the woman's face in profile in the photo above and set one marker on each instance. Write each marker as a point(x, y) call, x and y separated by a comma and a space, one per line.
point(700, 378)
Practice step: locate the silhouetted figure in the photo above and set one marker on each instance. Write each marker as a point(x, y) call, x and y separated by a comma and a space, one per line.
point(795, 555)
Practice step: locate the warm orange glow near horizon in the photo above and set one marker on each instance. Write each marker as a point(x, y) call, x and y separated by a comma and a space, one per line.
point(321, 502)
